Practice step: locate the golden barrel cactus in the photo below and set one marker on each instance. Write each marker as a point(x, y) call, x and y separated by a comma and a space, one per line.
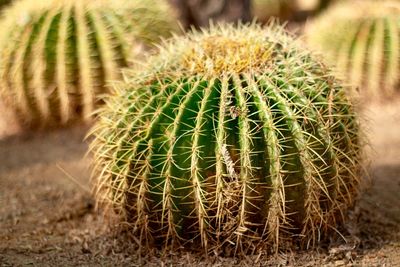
point(57, 55)
point(229, 137)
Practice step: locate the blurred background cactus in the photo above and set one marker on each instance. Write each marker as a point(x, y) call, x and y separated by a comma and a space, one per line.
point(229, 137)
point(361, 38)
point(57, 56)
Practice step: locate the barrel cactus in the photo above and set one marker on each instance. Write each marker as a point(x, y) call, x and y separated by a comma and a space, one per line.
point(363, 44)
point(57, 55)
point(232, 137)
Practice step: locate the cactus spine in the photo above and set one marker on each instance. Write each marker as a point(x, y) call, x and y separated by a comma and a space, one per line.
point(231, 136)
point(363, 44)
point(58, 55)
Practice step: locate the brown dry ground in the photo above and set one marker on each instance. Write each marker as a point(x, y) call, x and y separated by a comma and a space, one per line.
point(47, 215)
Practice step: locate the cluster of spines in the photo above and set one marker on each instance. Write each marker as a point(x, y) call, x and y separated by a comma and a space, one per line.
point(231, 159)
point(366, 51)
point(58, 57)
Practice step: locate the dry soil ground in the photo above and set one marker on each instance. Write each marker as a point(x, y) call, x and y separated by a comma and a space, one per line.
point(47, 215)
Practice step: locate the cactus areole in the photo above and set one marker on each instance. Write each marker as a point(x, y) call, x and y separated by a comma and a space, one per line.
point(58, 55)
point(229, 137)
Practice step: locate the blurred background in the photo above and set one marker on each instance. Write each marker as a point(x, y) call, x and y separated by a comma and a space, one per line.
point(48, 215)
point(197, 13)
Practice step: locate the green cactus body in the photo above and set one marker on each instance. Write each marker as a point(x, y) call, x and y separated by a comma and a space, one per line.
point(231, 136)
point(57, 56)
point(361, 39)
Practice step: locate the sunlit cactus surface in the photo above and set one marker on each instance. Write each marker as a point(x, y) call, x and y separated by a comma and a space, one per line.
point(57, 55)
point(361, 38)
point(228, 138)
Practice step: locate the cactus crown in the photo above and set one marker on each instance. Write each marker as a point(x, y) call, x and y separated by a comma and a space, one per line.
point(363, 45)
point(58, 55)
point(219, 51)
point(261, 146)
point(223, 54)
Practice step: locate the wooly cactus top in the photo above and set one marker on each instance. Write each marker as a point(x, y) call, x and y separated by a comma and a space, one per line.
point(57, 55)
point(361, 38)
point(232, 137)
